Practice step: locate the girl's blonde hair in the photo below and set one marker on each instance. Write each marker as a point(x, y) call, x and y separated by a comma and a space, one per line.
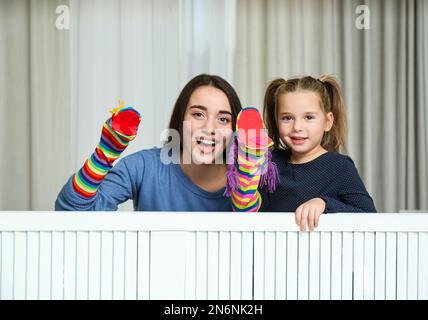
point(331, 100)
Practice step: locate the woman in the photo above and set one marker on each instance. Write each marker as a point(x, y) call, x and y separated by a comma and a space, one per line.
point(205, 111)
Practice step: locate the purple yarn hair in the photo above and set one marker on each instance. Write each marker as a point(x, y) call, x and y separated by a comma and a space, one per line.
point(270, 178)
point(232, 177)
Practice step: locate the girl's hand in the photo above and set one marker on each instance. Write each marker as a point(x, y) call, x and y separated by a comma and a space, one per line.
point(308, 213)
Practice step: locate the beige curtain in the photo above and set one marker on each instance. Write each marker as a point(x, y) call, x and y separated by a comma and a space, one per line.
point(383, 71)
point(57, 85)
point(35, 115)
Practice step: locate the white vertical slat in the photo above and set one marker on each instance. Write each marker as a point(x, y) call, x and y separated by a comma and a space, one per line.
point(236, 251)
point(281, 266)
point(70, 265)
point(131, 238)
point(167, 265)
point(107, 265)
point(336, 265)
point(292, 265)
point(314, 265)
point(32, 266)
point(369, 261)
point(358, 265)
point(190, 267)
point(347, 265)
point(118, 265)
point(402, 266)
point(303, 266)
point(380, 259)
point(269, 265)
point(94, 274)
point(20, 264)
point(259, 265)
point(325, 265)
point(412, 266)
point(391, 266)
point(7, 265)
point(247, 266)
point(423, 266)
point(57, 265)
point(45, 261)
point(82, 265)
point(143, 281)
point(1, 283)
point(201, 265)
point(213, 240)
point(224, 265)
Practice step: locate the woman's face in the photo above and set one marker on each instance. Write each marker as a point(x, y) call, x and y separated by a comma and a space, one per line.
point(207, 126)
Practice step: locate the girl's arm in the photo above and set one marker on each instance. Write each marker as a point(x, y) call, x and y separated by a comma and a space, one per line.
point(352, 195)
point(97, 186)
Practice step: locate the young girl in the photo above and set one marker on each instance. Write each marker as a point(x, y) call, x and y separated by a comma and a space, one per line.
point(207, 108)
point(306, 120)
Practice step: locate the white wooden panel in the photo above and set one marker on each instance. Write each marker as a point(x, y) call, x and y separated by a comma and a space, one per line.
point(224, 266)
point(106, 265)
point(201, 265)
point(131, 250)
point(303, 266)
point(236, 265)
point(20, 264)
point(1, 236)
point(213, 242)
point(380, 267)
point(7, 265)
point(259, 265)
point(167, 265)
point(70, 265)
point(143, 281)
point(358, 265)
point(369, 259)
point(423, 266)
point(94, 272)
point(57, 265)
point(32, 265)
point(281, 265)
point(391, 266)
point(402, 265)
point(347, 265)
point(325, 265)
point(412, 266)
point(82, 265)
point(190, 268)
point(336, 265)
point(314, 265)
point(118, 265)
point(247, 266)
point(269, 268)
point(45, 273)
point(292, 264)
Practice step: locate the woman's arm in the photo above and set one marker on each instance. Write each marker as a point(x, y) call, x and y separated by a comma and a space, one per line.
point(97, 186)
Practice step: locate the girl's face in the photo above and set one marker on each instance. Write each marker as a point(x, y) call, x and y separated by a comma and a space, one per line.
point(302, 123)
point(208, 120)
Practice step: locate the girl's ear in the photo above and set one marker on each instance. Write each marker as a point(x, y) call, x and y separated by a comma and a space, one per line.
point(330, 121)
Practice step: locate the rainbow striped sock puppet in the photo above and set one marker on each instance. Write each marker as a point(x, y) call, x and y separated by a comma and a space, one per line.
point(120, 129)
point(250, 162)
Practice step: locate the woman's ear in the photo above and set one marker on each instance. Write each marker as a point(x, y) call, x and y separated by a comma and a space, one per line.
point(330, 121)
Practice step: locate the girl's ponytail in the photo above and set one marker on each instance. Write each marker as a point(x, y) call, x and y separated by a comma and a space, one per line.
point(270, 112)
point(335, 139)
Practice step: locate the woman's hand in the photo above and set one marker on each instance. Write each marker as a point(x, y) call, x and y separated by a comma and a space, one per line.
point(308, 213)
